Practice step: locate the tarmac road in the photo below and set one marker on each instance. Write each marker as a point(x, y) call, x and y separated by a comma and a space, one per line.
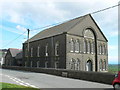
point(40, 80)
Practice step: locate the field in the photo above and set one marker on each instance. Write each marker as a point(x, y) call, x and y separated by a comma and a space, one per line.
point(113, 68)
point(5, 86)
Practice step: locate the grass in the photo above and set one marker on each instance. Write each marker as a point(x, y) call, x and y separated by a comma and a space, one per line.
point(113, 68)
point(7, 86)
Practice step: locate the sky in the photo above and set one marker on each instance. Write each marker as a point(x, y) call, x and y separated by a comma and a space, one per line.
point(19, 15)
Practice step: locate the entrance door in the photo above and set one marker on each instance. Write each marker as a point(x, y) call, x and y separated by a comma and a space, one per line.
point(89, 65)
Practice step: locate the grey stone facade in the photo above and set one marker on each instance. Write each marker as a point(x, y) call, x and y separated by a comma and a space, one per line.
point(78, 44)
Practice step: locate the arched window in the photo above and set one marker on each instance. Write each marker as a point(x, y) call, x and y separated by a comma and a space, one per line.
point(101, 65)
point(92, 47)
point(104, 65)
point(46, 50)
point(56, 64)
point(38, 64)
point(77, 46)
point(100, 49)
point(103, 49)
point(72, 45)
point(56, 48)
point(89, 65)
point(89, 47)
point(31, 64)
point(78, 64)
point(46, 64)
point(72, 64)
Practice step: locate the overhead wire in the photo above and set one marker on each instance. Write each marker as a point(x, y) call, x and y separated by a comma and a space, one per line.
point(60, 22)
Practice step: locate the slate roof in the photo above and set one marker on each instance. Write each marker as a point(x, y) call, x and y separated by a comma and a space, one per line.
point(61, 28)
point(14, 51)
point(19, 55)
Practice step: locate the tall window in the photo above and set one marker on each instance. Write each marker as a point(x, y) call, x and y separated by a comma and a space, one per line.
point(77, 64)
point(103, 49)
point(38, 51)
point(88, 51)
point(46, 64)
point(77, 46)
point(57, 48)
point(56, 64)
point(104, 65)
point(72, 64)
point(92, 47)
point(89, 46)
point(100, 65)
point(46, 50)
point(31, 52)
point(72, 45)
point(85, 46)
point(31, 64)
point(38, 64)
point(100, 49)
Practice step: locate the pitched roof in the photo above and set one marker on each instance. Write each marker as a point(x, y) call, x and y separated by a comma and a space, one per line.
point(59, 29)
point(19, 55)
point(14, 51)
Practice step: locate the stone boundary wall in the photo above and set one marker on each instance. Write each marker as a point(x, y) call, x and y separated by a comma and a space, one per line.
point(100, 77)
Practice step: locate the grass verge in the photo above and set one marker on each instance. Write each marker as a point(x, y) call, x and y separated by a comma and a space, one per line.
point(8, 86)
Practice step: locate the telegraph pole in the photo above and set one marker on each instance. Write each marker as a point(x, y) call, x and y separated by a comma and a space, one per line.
point(28, 47)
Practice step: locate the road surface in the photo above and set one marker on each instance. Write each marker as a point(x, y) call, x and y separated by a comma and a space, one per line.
point(40, 80)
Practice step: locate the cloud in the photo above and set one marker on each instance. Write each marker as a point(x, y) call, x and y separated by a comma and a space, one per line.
point(21, 28)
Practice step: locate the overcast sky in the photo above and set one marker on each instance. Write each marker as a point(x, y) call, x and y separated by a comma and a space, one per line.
point(17, 15)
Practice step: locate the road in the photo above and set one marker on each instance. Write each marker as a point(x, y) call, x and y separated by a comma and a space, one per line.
point(40, 80)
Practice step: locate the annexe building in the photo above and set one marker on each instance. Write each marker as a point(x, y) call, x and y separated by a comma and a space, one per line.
point(10, 57)
point(78, 44)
